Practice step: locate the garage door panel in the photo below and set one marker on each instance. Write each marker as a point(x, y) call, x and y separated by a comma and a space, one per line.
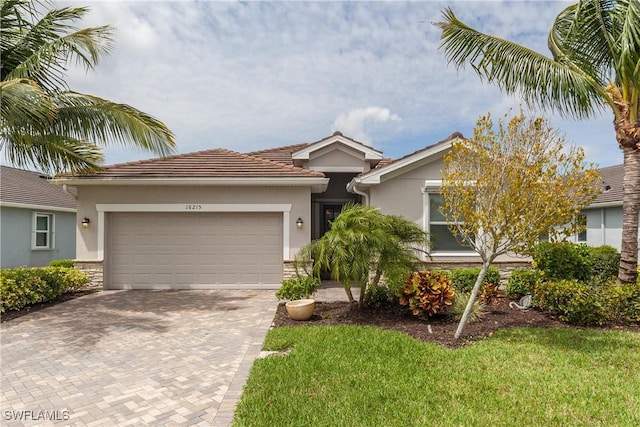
point(185, 250)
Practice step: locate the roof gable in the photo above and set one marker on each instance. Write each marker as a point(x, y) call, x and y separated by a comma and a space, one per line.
point(22, 187)
point(370, 154)
point(374, 176)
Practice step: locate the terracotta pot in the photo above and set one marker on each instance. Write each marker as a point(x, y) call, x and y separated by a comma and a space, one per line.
point(300, 309)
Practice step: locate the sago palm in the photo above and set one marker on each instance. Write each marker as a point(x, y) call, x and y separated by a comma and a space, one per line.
point(43, 122)
point(594, 66)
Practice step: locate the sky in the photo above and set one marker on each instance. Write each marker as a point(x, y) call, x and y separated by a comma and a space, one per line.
point(253, 75)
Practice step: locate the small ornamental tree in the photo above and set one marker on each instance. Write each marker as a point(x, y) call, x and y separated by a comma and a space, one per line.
point(505, 187)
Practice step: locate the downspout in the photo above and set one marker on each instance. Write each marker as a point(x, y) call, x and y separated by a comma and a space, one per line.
point(351, 188)
point(68, 193)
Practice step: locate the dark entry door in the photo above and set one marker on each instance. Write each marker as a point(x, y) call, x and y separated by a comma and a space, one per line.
point(329, 213)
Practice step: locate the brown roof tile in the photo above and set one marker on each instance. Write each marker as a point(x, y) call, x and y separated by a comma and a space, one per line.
point(215, 163)
point(279, 154)
point(31, 188)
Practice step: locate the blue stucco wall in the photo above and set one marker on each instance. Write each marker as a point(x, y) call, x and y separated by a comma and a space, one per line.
point(15, 238)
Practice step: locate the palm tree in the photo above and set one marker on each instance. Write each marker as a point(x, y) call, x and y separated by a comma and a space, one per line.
point(594, 65)
point(362, 245)
point(43, 122)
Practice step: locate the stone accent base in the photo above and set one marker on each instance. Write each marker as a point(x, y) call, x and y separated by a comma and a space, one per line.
point(93, 269)
point(505, 267)
point(289, 269)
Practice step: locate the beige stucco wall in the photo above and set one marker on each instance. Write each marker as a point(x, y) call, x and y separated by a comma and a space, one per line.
point(89, 196)
point(401, 193)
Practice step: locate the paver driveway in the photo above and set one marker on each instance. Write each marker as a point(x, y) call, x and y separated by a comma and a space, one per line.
point(133, 358)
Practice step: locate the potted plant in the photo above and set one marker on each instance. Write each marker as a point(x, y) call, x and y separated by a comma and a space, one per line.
point(298, 291)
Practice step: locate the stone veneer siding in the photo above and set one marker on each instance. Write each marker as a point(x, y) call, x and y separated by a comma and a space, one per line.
point(505, 267)
point(289, 269)
point(93, 269)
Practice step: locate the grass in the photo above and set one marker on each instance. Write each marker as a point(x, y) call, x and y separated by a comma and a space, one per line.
point(364, 376)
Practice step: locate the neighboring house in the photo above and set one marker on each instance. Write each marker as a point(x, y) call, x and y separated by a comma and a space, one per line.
point(604, 216)
point(37, 220)
point(218, 218)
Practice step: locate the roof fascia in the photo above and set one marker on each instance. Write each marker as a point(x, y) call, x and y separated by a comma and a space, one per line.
point(369, 153)
point(317, 184)
point(604, 205)
point(36, 207)
point(374, 176)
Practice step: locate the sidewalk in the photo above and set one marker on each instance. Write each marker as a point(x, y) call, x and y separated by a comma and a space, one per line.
point(332, 291)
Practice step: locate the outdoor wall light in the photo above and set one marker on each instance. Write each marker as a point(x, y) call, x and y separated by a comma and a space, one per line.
point(299, 222)
point(85, 222)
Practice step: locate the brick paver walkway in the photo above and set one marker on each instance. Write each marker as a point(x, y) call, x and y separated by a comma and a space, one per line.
point(133, 358)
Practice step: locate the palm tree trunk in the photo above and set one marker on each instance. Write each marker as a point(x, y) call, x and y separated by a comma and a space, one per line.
point(628, 271)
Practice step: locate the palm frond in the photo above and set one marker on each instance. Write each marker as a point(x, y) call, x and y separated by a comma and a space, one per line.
point(628, 66)
point(42, 51)
point(541, 81)
point(50, 153)
point(24, 105)
point(95, 119)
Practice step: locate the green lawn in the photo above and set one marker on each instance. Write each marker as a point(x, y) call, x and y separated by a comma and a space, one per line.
point(364, 376)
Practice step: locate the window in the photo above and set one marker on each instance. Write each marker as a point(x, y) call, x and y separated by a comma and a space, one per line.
point(42, 236)
point(442, 239)
point(581, 237)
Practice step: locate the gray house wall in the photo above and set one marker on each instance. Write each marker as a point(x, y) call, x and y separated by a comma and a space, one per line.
point(15, 238)
point(604, 226)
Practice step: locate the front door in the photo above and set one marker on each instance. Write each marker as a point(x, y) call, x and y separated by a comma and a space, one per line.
point(329, 213)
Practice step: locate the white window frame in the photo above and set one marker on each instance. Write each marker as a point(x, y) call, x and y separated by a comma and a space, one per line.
point(433, 187)
point(583, 232)
point(50, 232)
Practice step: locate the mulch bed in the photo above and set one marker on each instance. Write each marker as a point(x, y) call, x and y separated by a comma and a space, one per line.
point(498, 315)
point(14, 314)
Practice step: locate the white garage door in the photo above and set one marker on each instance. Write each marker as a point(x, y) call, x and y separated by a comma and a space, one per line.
point(193, 250)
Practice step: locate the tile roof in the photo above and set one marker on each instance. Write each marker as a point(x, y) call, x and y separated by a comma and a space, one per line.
point(31, 188)
point(612, 177)
point(279, 154)
point(215, 163)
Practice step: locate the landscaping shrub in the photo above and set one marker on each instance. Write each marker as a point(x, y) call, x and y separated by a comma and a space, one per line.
point(478, 310)
point(68, 263)
point(427, 293)
point(572, 301)
point(464, 278)
point(376, 296)
point(24, 286)
point(522, 282)
point(394, 279)
point(298, 287)
point(563, 261)
point(605, 261)
point(577, 302)
point(623, 302)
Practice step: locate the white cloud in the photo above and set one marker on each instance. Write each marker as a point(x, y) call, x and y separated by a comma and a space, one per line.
point(358, 123)
point(261, 74)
